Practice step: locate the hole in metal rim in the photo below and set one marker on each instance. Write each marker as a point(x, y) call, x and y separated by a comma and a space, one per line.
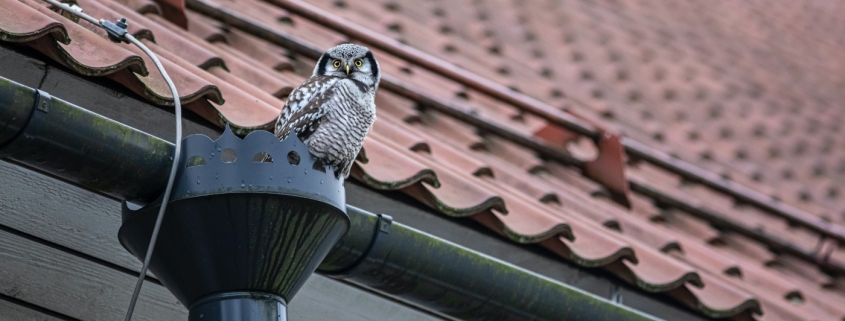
point(195, 160)
point(293, 158)
point(228, 155)
point(318, 166)
point(262, 157)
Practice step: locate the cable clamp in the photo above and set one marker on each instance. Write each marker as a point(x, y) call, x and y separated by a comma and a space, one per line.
point(116, 30)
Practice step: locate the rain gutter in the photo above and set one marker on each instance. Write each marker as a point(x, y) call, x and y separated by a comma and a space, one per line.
point(100, 154)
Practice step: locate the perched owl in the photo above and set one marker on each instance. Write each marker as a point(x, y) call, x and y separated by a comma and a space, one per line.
point(334, 110)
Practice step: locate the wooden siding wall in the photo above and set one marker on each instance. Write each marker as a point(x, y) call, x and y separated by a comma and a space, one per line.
point(59, 254)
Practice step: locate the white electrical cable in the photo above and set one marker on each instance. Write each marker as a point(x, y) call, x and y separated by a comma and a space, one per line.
point(74, 11)
point(176, 153)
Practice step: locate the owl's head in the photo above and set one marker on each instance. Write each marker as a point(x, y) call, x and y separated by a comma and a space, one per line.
point(349, 61)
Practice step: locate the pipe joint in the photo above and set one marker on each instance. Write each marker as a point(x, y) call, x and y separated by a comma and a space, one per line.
point(17, 104)
point(25, 139)
point(381, 232)
point(239, 306)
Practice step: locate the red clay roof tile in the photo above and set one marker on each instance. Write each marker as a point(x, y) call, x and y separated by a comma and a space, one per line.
point(624, 73)
point(20, 23)
point(396, 172)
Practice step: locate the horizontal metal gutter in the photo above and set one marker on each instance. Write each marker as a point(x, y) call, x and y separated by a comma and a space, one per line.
point(103, 155)
point(525, 103)
point(45, 133)
point(446, 277)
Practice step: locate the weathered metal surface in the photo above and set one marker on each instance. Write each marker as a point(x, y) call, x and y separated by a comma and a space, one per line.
point(239, 223)
point(352, 247)
point(16, 105)
point(239, 306)
point(234, 165)
point(86, 148)
point(456, 281)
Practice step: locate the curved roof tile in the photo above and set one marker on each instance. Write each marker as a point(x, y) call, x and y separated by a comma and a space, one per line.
point(229, 76)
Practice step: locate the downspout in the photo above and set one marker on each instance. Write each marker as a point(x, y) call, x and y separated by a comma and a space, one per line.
point(103, 155)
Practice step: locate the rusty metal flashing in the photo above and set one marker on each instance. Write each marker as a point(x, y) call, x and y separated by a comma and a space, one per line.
point(523, 102)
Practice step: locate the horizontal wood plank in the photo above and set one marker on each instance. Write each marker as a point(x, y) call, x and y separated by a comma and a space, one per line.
point(11, 311)
point(67, 284)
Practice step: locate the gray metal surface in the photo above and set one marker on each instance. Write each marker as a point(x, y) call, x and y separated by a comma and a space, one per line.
point(239, 306)
point(134, 178)
point(453, 280)
point(240, 220)
point(534, 258)
point(233, 165)
point(19, 101)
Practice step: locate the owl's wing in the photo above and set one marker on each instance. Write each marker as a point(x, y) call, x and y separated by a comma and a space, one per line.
point(305, 107)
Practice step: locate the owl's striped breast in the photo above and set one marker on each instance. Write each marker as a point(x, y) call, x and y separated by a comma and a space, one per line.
point(349, 117)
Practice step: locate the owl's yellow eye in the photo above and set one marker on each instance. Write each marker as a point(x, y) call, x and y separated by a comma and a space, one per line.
point(336, 64)
point(359, 63)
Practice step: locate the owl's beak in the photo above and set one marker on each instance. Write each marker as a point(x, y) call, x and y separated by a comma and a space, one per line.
point(347, 70)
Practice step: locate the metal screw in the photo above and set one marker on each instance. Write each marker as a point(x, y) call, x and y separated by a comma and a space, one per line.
point(122, 23)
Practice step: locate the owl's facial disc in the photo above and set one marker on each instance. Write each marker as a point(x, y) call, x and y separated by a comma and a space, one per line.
point(349, 61)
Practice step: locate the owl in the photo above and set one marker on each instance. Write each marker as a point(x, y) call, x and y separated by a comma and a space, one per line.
point(333, 111)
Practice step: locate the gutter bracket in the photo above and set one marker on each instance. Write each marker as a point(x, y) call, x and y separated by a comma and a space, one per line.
point(380, 234)
point(39, 115)
point(42, 102)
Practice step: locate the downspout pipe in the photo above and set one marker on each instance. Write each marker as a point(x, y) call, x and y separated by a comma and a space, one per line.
point(106, 156)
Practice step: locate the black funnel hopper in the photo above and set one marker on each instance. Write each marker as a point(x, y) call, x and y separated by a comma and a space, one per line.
point(242, 231)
